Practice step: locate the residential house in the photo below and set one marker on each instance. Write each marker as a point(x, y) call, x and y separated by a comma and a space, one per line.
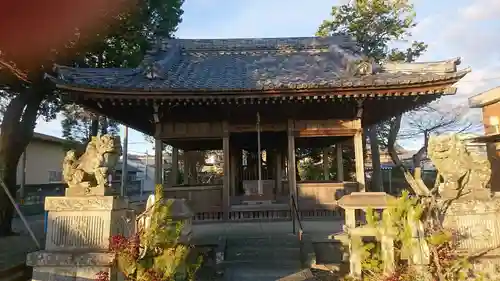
point(142, 168)
point(489, 103)
point(140, 173)
point(42, 161)
point(385, 159)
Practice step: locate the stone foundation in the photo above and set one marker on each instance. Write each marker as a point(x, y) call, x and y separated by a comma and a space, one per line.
point(478, 223)
point(49, 265)
point(78, 236)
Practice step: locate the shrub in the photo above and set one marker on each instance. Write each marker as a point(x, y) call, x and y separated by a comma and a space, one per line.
point(155, 253)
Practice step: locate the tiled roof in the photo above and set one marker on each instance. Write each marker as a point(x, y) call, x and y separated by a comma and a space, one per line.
point(255, 64)
point(486, 98)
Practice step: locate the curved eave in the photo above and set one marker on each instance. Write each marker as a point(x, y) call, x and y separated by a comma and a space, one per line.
point(349, 88)
point(486, 98)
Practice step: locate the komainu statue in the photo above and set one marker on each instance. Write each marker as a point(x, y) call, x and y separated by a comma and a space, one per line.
point(463, 172)
point(89, 173)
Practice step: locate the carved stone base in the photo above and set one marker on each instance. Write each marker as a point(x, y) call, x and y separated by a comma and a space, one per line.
point(478, 224)
point(88, 191)
point(475, 194)
point(86, 222)
point(72, 266)
point(490, 266)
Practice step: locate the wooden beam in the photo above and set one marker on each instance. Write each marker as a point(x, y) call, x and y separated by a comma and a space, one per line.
point(326, 163)
point(233, 153)
point(185, 168)
point(279, 171)
point(226, 204)
point(158, 161)
point(340, 162)
point(292, 180)
point(175, 166)
point(359, 160)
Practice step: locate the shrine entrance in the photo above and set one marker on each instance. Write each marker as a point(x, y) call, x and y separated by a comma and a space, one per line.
point(260, 165)
point(258, 168)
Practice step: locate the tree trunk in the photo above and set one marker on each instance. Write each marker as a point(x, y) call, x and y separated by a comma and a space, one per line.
point(104, 125)
point(376, 181)
point(416, 186)
point(417, 158)
point(365, 136)
point(94, 127)
point(16, 132)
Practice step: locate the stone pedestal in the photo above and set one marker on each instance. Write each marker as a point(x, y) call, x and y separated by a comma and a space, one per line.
point(78, 236)
point(251, 188)
point(478, 223)
point(180, 212)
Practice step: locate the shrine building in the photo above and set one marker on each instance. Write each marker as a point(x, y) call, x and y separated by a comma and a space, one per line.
point(247, 96)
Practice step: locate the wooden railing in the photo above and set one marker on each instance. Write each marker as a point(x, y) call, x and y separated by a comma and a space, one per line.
point(315, 199)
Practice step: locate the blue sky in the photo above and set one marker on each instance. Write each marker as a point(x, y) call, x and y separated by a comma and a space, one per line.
point(453, 28)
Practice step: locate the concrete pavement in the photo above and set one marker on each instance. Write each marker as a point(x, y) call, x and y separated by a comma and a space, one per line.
point(13, 249)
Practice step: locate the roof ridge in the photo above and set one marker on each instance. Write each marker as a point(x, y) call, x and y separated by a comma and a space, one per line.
point(441, 66)
point(258, 43)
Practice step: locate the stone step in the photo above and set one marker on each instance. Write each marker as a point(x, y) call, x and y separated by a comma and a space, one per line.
point(262, 241)
point(249, 273)
point(269, 257)
point(267, 254)
point(263, 264)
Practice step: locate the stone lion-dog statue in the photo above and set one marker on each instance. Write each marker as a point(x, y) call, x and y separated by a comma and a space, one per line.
point(460, 169)
point(92, 168)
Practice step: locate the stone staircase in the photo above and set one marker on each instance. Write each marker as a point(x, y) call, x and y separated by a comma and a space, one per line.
point(263, 258)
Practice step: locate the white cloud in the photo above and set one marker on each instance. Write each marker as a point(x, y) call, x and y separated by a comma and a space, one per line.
point(481, 10)
point(468, 32)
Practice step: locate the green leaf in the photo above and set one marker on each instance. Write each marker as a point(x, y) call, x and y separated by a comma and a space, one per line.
point(126, 264)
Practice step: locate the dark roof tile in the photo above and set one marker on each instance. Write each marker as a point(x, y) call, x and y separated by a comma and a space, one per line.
point(254, 64)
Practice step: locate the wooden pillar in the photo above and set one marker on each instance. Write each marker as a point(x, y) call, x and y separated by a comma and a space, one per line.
point(270, 166)
point(359, 160)
point(340, 162)
point(226, 204)
point(185, 168)
point(239, 170)
point(174, 174)
point(292, 180)
point(233, 167)
point(158, 161)
point(326, 164)
point(279, 172)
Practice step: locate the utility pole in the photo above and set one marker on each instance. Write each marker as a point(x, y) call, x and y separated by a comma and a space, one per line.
point(123, 186)
point(145, 173)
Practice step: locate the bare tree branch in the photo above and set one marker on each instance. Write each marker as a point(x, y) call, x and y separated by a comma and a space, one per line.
point(433, 119)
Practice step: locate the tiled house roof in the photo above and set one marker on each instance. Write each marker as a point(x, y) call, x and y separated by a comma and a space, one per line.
point(230, 65)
